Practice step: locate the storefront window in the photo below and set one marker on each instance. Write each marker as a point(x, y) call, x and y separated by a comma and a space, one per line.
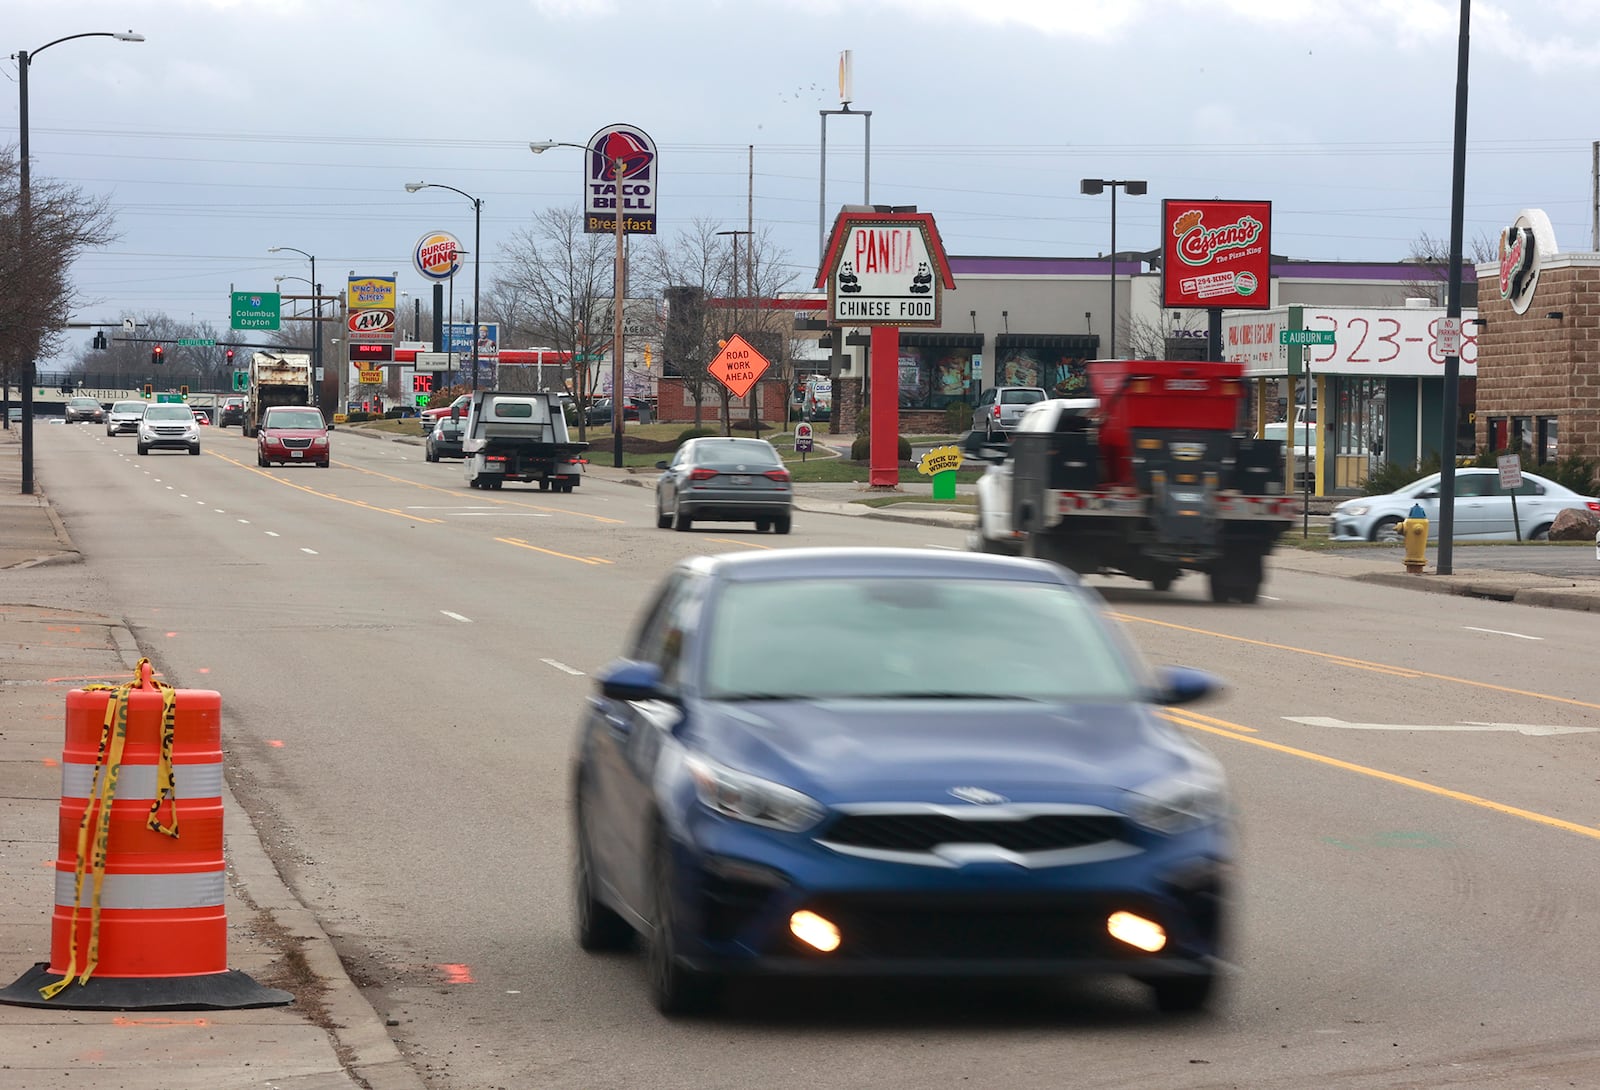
point(1547, 439)
point(1522, 434)
point(1499, 433)
point(1061, 375)
point(931, 378)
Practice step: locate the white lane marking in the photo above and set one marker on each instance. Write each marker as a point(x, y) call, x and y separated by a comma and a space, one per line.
point(947, 548)
point(1529, 729)
point(1270, 598)
point(1498, 632)
point(419, 507)
point(202, 503)
point(563, 667)
point(185, 495)
point(171, 488)
point(246, 522)
point(270, 533)
point(311, 552)
point(456, 616)
point(508, 514)
point(219, 510)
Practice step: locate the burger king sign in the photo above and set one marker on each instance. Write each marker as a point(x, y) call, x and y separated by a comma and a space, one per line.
point(437, 255)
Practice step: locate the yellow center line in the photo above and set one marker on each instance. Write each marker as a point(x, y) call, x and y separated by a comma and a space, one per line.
point(1231, 731)
point(746, 544)
point(519, 543)
point(484, 498)
point(1187, 718)
point(324, 495)
point(1362, 664)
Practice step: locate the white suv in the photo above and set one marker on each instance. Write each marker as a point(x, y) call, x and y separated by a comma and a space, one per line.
point(169, 424)
point(1000, 408)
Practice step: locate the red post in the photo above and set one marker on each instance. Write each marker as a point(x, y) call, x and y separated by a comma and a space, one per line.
point(885, 393)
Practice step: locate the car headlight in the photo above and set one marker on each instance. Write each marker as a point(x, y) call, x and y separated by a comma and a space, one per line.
point(1179, 803)
point(1355, 509)
point(747, 798)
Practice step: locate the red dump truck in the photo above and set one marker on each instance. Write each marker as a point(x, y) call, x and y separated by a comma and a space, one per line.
point(1149, 478)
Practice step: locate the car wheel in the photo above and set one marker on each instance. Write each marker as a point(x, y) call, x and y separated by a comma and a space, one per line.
point(428, 456)
point(195, 450)
point(680, 521)
point(1387, 529)
point(1182, 994)
point(763, 525)
point(675, 988)
point(596, 927)
point(781, 524)
point(1164, 579)
point(663, 520)
point(144, 448)
point(260, 459)
point(323, 465)
point(1540, 533)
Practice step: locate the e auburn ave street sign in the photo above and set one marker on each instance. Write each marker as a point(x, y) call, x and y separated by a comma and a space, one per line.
point(738, 366)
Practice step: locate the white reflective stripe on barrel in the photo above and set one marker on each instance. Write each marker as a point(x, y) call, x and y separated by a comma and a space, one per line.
point(147, 890)
point(198, 781)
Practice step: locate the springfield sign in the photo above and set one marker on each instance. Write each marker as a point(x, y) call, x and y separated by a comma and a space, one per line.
point(885, 269)
point(1216, 254)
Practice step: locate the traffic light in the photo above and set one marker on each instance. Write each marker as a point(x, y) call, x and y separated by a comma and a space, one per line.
point(230, 357)
point(100, 339)
point(156, 355)
point(184, 390)
point(149, 390)
point(647, 357)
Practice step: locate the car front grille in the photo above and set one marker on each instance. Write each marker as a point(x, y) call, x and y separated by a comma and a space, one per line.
point(924, 832)
point(297, 444)
point(968, 927)
point(169, 431)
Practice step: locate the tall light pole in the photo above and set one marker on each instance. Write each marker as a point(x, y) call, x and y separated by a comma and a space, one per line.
point(1093, 187)
point(846, 93)
point(316, 320)
point(25, 230)
point(477, 245)
point(619, 277)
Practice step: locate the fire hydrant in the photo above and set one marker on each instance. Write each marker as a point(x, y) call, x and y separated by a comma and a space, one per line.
point(1415, 528)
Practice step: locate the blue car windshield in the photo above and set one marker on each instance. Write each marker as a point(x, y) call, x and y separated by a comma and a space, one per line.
point(915, 638)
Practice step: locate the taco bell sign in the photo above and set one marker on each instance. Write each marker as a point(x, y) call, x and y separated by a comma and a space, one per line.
point(620, 176)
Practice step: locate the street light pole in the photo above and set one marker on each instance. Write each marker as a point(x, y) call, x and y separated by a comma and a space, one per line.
point(31, 338)
point(477, 247)
point(316, 319)
point(1092, 187)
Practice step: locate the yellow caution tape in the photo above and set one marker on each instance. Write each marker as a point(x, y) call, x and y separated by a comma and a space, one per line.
point(97, 811)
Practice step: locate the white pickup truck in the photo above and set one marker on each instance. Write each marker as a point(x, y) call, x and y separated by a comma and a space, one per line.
point(519, 437)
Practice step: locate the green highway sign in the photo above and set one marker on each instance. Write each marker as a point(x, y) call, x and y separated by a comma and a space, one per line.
point(241, 380)
point(1305, 336)
point(197, 342)
point(255, 310)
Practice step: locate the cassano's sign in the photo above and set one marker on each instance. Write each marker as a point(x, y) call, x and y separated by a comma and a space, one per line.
point(620, 174)
point(885, 269)
point(1216, 254)
point(1524, 246)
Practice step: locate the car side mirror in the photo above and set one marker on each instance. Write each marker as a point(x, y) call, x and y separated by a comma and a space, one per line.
point(1430, 494)
point(630, 679)
point(661, 465)
point(1184, 685)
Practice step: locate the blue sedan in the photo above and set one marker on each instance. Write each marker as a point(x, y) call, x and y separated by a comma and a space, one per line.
point(894, 762)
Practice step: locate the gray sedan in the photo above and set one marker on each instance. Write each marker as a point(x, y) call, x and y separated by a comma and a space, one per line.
point(725, 479)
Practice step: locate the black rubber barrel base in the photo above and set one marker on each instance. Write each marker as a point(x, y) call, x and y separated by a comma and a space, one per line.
point(226, 991)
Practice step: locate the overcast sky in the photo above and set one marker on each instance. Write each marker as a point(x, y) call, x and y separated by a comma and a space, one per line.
point(244, 124)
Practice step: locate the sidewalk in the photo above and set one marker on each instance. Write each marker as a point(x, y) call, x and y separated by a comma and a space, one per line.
point(329, 1038)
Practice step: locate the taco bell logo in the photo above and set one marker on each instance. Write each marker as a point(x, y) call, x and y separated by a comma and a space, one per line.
point(620, 178)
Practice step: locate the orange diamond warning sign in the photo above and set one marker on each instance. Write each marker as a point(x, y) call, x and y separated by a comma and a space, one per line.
point(738, 366)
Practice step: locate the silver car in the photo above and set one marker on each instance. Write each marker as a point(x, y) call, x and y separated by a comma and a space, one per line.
point(124, 416)
point(1482, 509)
point(167, 425)
point(725, 479)
point(1000, 407)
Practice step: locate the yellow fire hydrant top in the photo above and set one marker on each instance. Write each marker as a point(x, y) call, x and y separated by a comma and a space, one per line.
point(1416, 534)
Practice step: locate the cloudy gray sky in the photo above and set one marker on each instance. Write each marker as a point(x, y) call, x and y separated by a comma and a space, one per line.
point(244, 124)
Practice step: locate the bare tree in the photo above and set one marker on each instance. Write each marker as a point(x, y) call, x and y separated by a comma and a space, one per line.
point(555, 279)
point(1432, 257)
point(36, 297)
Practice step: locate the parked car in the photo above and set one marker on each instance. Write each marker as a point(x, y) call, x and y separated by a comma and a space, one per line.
point(444, 441)
point(292, 433)
point(124, 416)
point(84, 408)
point(202, 414)
point(600, 410)
point(168, 425)
point(14, 414)
point(725, 479)
point(434, 413)
point(233, 410)
point(861, 809)
point(1482, 508)
point(1000, 407)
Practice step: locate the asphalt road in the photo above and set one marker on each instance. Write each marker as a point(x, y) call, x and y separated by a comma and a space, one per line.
point(402, 663)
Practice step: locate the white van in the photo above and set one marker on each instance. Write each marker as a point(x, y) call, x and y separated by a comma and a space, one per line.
point(816, 401)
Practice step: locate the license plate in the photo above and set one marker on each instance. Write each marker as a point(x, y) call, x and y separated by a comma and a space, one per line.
point(739, 478)
point(296, 453)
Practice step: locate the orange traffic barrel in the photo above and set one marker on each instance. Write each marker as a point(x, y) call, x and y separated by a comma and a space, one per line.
point(139, 920)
